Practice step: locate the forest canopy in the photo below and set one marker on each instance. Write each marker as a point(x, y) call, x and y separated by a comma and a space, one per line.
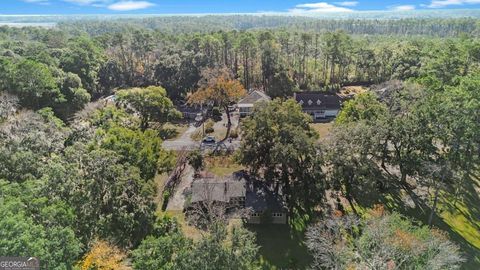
point(84, 106)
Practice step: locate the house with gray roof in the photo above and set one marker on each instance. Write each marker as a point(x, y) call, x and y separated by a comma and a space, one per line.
point(219, 190)
point(246, 104)
point(320, 105)
point(240, 191)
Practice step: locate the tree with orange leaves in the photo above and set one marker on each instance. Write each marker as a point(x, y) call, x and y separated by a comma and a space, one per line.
point(380, 240)
point(104, 256)
point(221, 92)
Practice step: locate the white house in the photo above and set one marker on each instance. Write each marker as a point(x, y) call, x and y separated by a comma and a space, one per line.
point(245, 105)
point(320, 106)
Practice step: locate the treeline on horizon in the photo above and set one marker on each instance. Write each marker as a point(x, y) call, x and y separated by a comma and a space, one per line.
point(73, 66)
point(440, 27)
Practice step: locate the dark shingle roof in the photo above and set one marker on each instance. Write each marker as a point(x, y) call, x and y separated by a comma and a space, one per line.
point(222, 190)
point(318, 100)
point(257, 195)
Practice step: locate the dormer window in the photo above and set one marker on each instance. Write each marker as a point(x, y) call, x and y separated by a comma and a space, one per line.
point(319, 102)
point(310, 102)
point(301, 102)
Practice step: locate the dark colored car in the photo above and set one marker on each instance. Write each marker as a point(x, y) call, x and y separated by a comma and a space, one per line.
point(209, 140)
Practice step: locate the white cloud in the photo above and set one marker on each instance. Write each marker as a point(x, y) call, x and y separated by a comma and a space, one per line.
point(88, 2)
point(403, 8)
point(130, 5)
point(445, 3)
point(347, 3)
point(321, 7)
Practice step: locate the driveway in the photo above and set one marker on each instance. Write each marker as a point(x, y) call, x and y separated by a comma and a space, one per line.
point(183, 142)
point(177, 200)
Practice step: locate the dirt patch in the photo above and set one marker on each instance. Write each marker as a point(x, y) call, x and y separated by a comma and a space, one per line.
point(352, 90)
point(222, 165)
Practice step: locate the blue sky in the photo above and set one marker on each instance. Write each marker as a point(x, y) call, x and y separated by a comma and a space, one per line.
point(222, 6)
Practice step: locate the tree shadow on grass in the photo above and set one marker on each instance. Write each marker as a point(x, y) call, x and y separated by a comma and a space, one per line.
point(280, 248)
point(393, 199)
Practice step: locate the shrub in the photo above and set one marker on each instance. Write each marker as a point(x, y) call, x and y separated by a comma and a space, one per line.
point(195, 159)
point(209, 126)
point(168, 131)
point(209, 130)
point(216, 114)
point(166, 197)
point(234, 134)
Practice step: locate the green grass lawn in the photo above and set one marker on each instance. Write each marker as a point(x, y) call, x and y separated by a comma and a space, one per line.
point(280, 248)
point(462, 219)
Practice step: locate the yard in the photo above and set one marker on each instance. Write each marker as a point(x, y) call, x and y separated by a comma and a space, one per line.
point(219, 132)
point(222, 165)
point(173, 131)
point(459, 218)
point(219, 128)
point(280, 248)
point(189, 231)
point(323, 129)
point(462, 220)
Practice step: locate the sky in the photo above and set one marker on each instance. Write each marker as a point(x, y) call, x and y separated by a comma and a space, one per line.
point(298, 7)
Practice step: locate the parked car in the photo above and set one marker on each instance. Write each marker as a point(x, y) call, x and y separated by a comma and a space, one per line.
point(209, 140)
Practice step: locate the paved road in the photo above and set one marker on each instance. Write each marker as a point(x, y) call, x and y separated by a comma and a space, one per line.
point(183, 142)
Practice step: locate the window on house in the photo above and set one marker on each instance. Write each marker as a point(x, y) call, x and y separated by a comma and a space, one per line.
point(277, 214)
